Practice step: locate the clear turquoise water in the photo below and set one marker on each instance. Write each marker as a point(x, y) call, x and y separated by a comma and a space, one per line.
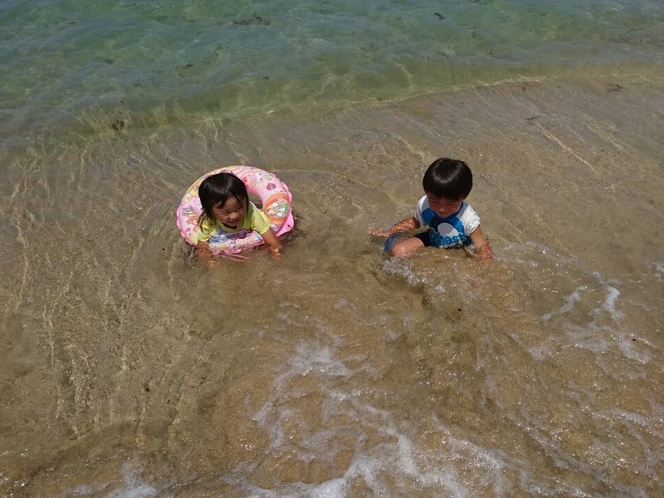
point(90, 65)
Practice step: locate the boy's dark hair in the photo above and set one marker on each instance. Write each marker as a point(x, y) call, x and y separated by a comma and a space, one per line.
point(448, 179)
point(218, 188)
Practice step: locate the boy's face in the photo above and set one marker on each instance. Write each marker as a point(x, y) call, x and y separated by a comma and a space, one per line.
point(444, 207)
point(231, 213)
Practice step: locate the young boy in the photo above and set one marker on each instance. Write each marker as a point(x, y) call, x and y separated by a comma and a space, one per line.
point(451, 220)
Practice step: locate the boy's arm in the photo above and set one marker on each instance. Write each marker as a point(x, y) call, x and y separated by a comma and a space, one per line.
point(403, 226)
point(481, 244)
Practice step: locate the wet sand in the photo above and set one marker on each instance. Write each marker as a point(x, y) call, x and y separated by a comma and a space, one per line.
point(126, 368)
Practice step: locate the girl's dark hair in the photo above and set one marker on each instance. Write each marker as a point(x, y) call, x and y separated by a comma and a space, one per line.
point(448, 179)
point(218, 188)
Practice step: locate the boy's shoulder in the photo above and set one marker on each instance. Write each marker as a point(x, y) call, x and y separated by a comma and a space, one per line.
point(467, 210)
point(423, 204)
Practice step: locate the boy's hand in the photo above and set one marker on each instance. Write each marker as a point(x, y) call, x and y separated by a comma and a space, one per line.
point(484, 252)
point(481, 247)
point(403, 226)
point(378, 232)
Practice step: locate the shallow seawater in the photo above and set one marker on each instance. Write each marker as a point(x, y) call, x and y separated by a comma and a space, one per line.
point(80, 68)
point(130, 370)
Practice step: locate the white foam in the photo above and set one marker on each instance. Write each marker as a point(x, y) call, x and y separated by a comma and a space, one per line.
point(568, 306)
point(612, 295)
point(659, 270)
point(402, 268)
point(133, 486)
point(385, 453)
point(85, 490)
point(628, 349)
point(342, 303)
point(331, 489)
point(395, 460)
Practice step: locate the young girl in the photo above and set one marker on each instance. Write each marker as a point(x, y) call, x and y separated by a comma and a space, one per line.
point(227, 211)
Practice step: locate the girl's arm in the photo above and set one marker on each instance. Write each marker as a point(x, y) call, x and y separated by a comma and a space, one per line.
point(481, 244)
point(210, 259)
point(204, 254)
point(403, 226)
point(273, 243)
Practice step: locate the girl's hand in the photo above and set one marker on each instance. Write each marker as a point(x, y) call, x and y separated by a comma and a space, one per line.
point(204, 255)
point(276, 254)
point(210, 260)
point(240, 258)
point(273, 243)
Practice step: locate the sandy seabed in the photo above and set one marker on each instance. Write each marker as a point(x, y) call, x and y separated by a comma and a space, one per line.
point(126, 369)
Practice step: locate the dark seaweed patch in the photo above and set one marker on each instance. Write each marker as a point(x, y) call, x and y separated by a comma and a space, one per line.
point(254, 19)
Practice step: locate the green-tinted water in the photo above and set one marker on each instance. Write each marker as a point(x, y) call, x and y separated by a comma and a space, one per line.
point(90, 66)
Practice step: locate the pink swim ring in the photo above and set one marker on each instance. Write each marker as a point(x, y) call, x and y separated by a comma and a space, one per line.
point(275, 197)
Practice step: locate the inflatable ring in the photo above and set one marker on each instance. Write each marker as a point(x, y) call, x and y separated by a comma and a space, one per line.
point(273, 193)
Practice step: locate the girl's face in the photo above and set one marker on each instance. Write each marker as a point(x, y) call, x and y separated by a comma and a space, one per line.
point(444, 207)
point(231, 213)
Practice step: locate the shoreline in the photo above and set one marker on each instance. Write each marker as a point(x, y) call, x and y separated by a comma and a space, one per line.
point(118, 122)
